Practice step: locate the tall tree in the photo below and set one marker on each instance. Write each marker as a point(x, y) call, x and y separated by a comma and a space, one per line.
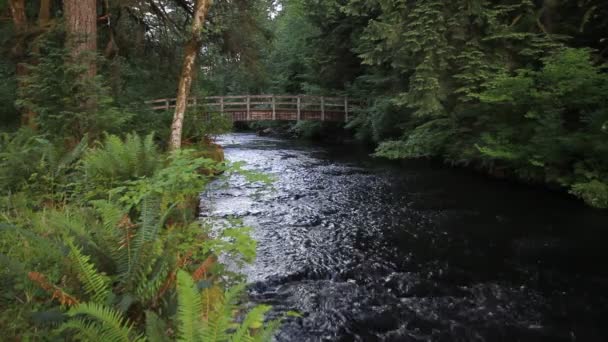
point(44, 15)
point(188, 70)
point(19, 51)
point(81, 26)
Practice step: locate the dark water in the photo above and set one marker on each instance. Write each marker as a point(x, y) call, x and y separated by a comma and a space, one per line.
point(416, 252)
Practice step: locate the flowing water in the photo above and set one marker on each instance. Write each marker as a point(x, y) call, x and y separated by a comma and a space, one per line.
point(413, 252)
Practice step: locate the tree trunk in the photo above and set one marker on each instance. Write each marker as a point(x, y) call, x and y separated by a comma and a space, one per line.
point(17, 8)
point(188, 69)
point(19, 53)
point(44, 15)
point(549, 10)
point(81, 25)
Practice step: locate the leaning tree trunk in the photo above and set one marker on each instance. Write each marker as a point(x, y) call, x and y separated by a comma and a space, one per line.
point(81, 26)
point(188, 69)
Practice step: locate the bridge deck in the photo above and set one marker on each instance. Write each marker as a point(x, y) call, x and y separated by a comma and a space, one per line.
point(271, 107)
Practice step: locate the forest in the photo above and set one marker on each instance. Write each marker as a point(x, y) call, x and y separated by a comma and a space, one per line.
point(100, 237)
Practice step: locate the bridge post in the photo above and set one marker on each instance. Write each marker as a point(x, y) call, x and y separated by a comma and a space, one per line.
point(322, 108)
point(222, 105)
point(274, 108)
point(248, 108)
point(346, 109)
point(299, 108)
point(167, 104)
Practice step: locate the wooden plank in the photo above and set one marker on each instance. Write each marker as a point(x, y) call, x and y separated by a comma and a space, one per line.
point(274, 109)
point(235, 103)
point(156, 101)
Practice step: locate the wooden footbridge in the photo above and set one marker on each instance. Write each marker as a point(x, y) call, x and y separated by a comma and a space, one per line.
point(271, 107)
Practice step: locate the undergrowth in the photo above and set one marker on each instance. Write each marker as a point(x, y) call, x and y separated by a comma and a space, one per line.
point(100, 243)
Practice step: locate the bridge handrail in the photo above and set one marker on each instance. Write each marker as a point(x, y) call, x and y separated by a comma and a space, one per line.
point(244, 103)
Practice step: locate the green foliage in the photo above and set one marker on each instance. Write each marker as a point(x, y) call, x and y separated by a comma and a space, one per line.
point(100, 323)
point(218, 323)
point(426, 140)
point(510, 86)
point(559, 111)
point(116, 160)
point(65, 102)
point(32, 163)
point(95, 284)
point(117, 247)
point(594, 193)
point(205, 126)
point(308, 129)
point(189, 311)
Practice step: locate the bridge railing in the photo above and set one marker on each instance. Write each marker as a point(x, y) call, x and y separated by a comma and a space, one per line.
point(271, 107)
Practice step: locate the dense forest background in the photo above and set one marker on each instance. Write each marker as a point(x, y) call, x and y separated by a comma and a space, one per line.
point(516, 88)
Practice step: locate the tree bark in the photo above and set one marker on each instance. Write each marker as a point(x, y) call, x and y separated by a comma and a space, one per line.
point(188, 70)
point(44, 15)
point(17, 8)
point(81, 26)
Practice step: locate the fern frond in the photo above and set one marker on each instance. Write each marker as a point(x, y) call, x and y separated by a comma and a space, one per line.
point(118, 160)
point(189, 313)
point(150, 219)
point(253, 320)
point(56, 292)
point(154, 278)
point(112, 327)
point(72, 156)
point(268, 331)
point(155, 328)
point(110, 213)
point(86, 330)
point(219, 320)
point(145, 247)
point(95, 284)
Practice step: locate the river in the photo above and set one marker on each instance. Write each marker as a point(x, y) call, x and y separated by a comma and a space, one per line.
point(368, 250)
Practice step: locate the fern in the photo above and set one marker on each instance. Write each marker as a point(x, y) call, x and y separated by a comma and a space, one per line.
point(119, 160)
point(189, 313)
point(155, 328)
point(72, 156)
point(253, 320)
point(219, 320)
point(86, 331)
point(142, 249)
point(268, 331)
point(95, 284)
point(108, 325)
